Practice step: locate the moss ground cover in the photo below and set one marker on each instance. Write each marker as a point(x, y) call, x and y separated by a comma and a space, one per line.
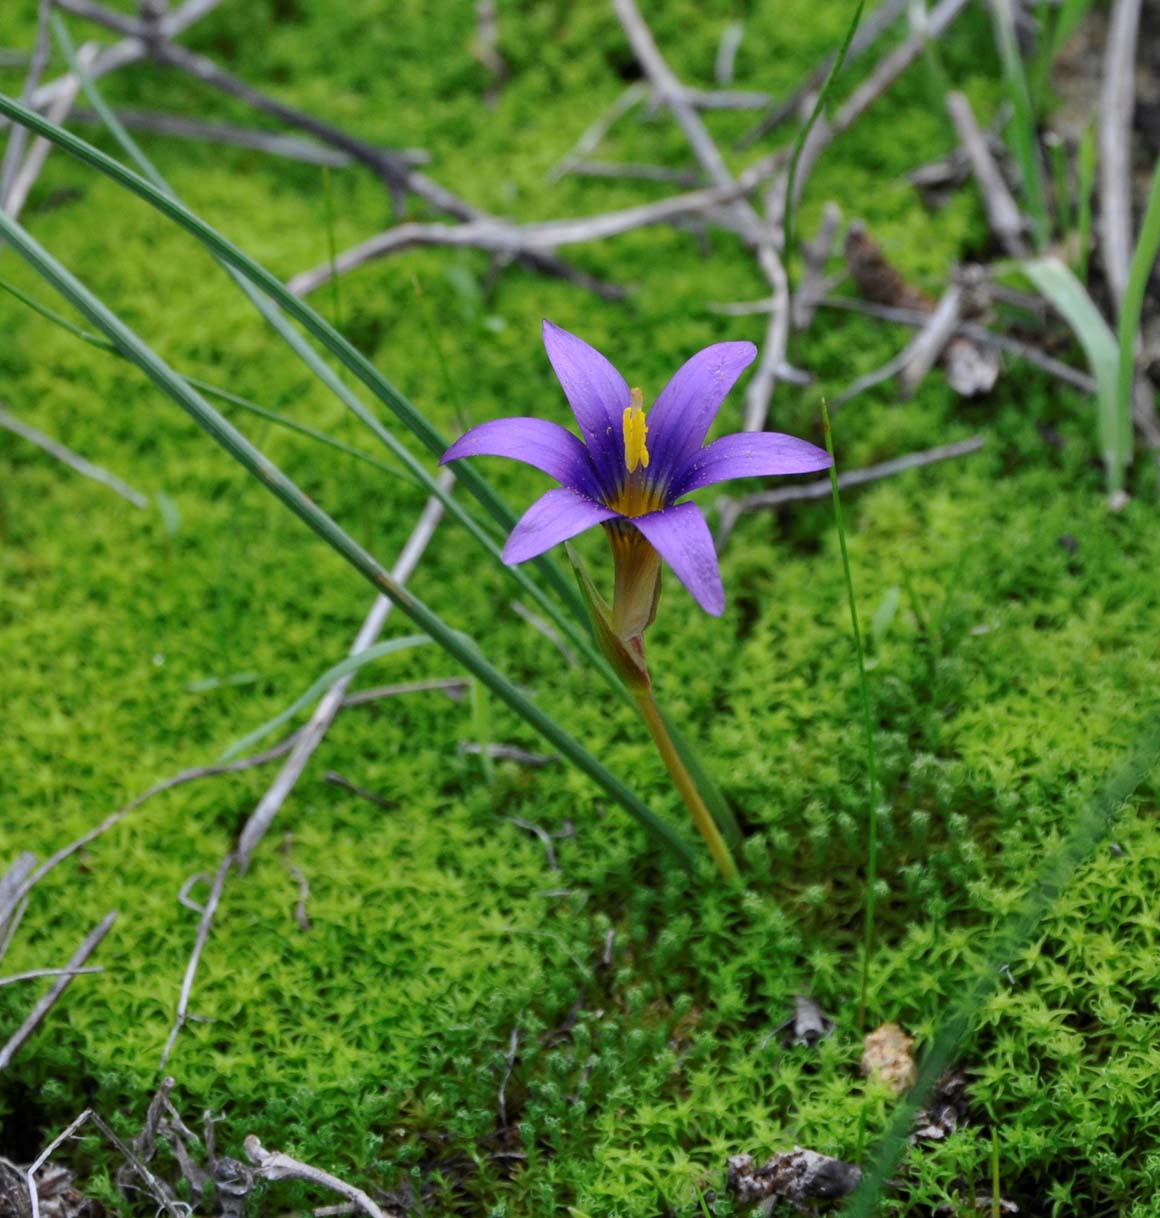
point(374, 1044)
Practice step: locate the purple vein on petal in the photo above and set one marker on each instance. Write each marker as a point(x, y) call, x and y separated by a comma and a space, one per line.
point(683, 413)
point(554, 517)
point(683, 539)
point(598, 395)
point(537, 442)
point(749, 454)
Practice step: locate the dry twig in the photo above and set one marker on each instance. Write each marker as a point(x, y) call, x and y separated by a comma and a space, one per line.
point(730, 509)
point(49, 1000)
point(274, 1165)
point(1003, 213)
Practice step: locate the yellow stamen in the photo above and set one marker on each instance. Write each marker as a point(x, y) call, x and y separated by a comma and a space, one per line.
point(635, 431)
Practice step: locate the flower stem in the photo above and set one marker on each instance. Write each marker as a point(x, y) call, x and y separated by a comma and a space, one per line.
point(651, 714)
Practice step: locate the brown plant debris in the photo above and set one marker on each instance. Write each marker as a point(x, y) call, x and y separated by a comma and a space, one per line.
point(795, 1176)
point(809, 1025)
point(886, 1055)
point(946, 1111)
point(55, 1194)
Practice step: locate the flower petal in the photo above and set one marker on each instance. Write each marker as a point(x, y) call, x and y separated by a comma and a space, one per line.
point(688, 404)
point(537, 442)
point(598, 396)
point(554, 517)
point(749, 454)
point(683, 539)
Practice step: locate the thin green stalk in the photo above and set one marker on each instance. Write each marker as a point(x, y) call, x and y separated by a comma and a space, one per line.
point(868, 727)
point(803, 135)
point(684, 783)
point(339, 346)
point(1091, 826)
point(1084, 188)
point(1143, 261)
point(1023, 122)
point(996, 1196)
point(288, 493)
point(158, 191)
point(216, 391)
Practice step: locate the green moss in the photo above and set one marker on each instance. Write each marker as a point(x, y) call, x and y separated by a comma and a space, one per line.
point(374, 1044)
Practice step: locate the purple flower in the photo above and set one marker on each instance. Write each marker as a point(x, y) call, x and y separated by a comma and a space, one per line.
point(628, 472)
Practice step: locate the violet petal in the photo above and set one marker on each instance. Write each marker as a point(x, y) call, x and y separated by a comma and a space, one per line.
point(749, 454)
point(681, 416)
point(598, 396)
point(554, 517)
point(537, 442)
point(683, 539)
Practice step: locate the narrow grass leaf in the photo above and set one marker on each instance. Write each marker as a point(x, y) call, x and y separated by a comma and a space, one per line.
point(1070, 298)
point(290, 495)
point(319, 687)
point(1142, 265)
point(804, 135)
point(867, 726)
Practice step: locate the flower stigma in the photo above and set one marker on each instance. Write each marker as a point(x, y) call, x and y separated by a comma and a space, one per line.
point(635, 431)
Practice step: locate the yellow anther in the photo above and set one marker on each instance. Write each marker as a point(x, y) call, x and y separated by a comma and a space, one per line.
point(635, 431)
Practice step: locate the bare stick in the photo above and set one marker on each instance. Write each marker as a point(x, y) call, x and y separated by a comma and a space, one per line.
point(454, 687)
point(729, 508)
point(865, 36)
point(312, 734)
point(272, 143)
point(301, 917)
point(274, 1165)
point(1117, 100)
point(746, 220)
point(884, 75)
point(12, 885)
point(547, 630)
point(928, 344)
point(593, 135)
point(1002, 211)
point(203, 927)
point(635, 171)
point(540, 832)
point(73, 460)
point(727, 49)
point(508, 752)
point(166, 784)
point(160, 1192)
point(509, 1066)
point(49, 1000)
point(18, 140)
point(816, 254)
point(127, 51)
point(337, 780)
point(36, 973)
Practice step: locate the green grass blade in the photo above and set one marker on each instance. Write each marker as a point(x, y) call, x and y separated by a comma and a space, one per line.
point(1143, 261)
point(275, 318)
point(1023, 121)
point(228, 253)
point(867, 727)
point(1092, 825)
point(1065, 292)
point(216, 391)
point(804, 134)
point(1085, 186)
point(319, 687)
point(288, 493)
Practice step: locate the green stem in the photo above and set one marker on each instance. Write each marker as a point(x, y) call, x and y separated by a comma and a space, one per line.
point(868, 726)
point(683, 781)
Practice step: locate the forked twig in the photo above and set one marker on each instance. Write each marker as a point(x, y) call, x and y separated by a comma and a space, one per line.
point(274, 1165)
point(49, 1000)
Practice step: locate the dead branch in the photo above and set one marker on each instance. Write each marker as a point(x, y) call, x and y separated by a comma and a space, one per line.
point(932, 339)
point(618, 170)
point(337, 780)
point(727, 49)
point(508, 752)
point(454, 687)
point(1003, 213)
point(274, 1165)
point(816, 256)
point(730, 509)
point(49, 1000)
point(868, 32)
point(319, 724)
point(203, 928)
point(18, 139)
point(509, 1066)
point(36, 973)
point(9, 422)
point(540, 832)
point(1117, 101)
